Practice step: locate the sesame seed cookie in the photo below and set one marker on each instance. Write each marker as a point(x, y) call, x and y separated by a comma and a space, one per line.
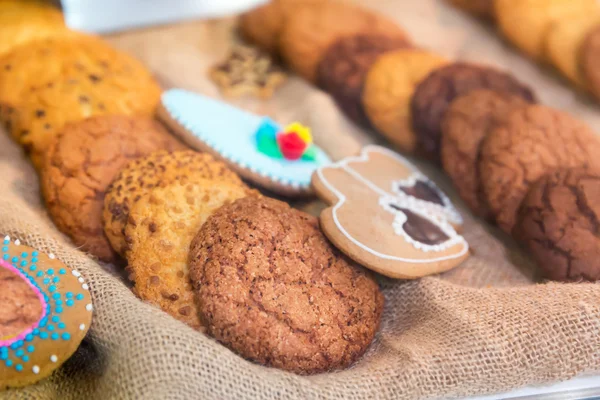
point(141, 175)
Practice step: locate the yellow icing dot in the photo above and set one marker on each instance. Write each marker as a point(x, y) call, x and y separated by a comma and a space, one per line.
point(302, 131)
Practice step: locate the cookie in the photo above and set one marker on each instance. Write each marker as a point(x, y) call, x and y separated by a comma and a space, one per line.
point(278, 159)
point(466, 123)
point(526, 22)
point(558, 224)
point(344, 66)
point(46, 312)
point(82, 162)
point(307, 35)
point(435, 93)
point(384, 214)
point(247, 70)
point(159, 231)
point(265, 275)
point(480, 8)
point(589, 56)
point(141, 175)
point(388, 88)
point(531, 142)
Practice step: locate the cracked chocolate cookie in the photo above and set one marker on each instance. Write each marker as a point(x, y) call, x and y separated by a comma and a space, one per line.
point(343, 69)
point(589, 59)
point(466, 123)
point(266, 276)
point(532, 141)
point(435, 93)
point(80, 165)
point(558, 223)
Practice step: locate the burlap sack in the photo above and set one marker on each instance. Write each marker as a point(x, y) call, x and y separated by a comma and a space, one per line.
point(483, 327)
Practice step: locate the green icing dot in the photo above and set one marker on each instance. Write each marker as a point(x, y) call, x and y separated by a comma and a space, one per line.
point(268, 146)
point(310, 154)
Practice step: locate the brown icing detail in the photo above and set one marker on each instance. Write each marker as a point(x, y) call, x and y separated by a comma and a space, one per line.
point(421, 229)
point(21, 307)
point(423, 191)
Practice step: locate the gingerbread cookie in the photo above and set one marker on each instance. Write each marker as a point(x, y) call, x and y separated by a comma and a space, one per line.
point(480, 8)
point(435, 93)
point(141, 175)
point(159, 231)
point(45, 314)
point(279, 159)
point(387, 216)
point(388, 88)
point(558, 224)
point(344, 66)
point(466, 123)
point(307, 35)
point(80, 165)
point(532, 141)
point(590, 56)
point(266, 275)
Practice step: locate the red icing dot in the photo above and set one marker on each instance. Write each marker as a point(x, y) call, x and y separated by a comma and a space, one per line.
point(291, 145)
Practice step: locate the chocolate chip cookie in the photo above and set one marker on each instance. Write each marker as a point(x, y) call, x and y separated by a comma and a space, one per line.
point(266, 275)
point(558, 224)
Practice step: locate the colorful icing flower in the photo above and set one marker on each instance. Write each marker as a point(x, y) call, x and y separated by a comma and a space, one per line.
point(293, 143)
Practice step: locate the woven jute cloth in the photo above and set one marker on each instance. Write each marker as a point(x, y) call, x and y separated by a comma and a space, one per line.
point(487, 326)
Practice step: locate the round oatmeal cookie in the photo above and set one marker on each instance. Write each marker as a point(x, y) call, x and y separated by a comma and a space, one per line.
point(527, 22)
point(480, 8)
point(159, 231)
point(265, 275)
point(558, 224)
point(589, 59)
point(532, 141)
point(466, 123)
point(141, 175)
point(435, 93)
point(82, 162)
point(306, 37)
point(344, 66)
point(388, 88)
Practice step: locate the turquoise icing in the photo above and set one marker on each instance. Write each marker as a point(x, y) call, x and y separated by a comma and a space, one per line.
point(231, 132)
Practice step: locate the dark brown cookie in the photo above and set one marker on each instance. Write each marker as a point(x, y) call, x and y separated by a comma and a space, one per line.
point(435, 93)
point(590, 59)
point(466, 123)
point(532, 141)
point(344, 66)
point(274, 290)
point(558, 223)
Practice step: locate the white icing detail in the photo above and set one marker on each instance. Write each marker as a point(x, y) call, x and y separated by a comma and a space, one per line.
point(52, 256)
point(36, 369)
point(7, 238)
point(76, 273)
point(82, 327)
point(85, 286)
point(53, 358)
point(17, 242)
point(81, 280)
point(89, 307)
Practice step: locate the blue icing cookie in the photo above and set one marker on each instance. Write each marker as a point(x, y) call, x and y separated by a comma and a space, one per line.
point(231, 133)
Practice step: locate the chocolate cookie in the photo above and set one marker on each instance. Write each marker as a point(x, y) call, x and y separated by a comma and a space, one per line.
point(435, 93)
point(80, 165)
point(344, 66)
point(558, 223)
point(266, 276)
point(466, 123)
point(532, 141)
point(590, 58)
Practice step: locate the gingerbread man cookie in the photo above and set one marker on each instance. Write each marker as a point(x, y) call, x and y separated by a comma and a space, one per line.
point(388, 216)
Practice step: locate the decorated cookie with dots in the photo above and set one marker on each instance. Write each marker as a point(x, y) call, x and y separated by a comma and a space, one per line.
point(278, 158)
point(388, 216)
point(45, 312)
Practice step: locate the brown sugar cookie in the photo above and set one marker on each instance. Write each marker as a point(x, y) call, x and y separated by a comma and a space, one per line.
point(80, 165)
point(344, 66)
point(313, 29)
point(558, 224)
point(466, 123)
point(159, 231)
point(531, 142)
point(141, 175)
point(589, 59)
point(435, 93)
point(265, 276)
point(526, 22)
point(387, 91)
point(480, 8)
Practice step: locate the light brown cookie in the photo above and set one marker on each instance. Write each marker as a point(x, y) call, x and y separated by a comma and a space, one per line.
point(273, 289)
point(388, 88)
point(466, 123)
point(590, 59)
point(530, 143)
point(81, 163)
point(384, 214)
point(313, 29)
point(159, 231)
point(141, 175)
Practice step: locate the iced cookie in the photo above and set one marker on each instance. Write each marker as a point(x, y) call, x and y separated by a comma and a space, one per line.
point(387, 216)
point(261, 151)
point(589, 59)
point(274, 290)
point(46, 311)
point(388, 88)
